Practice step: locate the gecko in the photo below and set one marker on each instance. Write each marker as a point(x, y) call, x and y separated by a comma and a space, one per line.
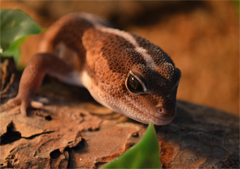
point(121, 70)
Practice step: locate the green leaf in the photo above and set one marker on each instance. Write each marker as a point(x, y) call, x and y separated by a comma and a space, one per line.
point(145, 154)
point(15, 26)
point(14, 49)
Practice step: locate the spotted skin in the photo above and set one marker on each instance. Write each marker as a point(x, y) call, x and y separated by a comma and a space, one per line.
point(84, 50)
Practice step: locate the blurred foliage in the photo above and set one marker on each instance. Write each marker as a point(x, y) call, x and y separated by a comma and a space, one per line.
point(15, 26)
point(145, 154)
point(236, 4)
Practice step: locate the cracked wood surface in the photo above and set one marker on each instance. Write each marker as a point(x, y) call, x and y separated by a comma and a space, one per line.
point(73, 131)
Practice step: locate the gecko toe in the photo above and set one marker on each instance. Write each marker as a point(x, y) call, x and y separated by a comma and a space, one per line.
point(23, 108)
point(42, 100)
point(36, 105)
point(14, 101)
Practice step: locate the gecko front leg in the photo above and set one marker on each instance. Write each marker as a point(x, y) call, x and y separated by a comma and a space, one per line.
point(40, 65)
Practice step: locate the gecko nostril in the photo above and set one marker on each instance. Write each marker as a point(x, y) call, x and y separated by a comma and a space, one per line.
point(161, 110)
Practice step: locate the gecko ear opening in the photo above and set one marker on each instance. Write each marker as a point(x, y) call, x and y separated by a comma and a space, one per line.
point(134, 84)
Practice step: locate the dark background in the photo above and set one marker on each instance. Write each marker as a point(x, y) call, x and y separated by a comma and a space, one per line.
point(202, 38)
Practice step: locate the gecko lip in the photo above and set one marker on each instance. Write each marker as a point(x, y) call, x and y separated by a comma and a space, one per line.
point(162, 116)
point(160, 121)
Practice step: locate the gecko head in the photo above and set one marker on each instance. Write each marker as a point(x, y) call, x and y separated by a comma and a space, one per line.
point(142, 94)
point(152, 93)
point(139, 82)
point(141, 90)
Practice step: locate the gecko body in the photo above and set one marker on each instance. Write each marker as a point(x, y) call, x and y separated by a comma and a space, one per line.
point(121, 70)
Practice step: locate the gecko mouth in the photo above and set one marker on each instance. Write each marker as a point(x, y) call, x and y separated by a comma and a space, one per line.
point(156, 120)
point(159, 121)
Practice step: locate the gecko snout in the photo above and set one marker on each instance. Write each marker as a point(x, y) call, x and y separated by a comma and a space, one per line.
point(164, 116)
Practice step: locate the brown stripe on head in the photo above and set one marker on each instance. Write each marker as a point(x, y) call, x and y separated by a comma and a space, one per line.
point(115, 48)
point(164, 64)
point(158, 55)
point(166, 70)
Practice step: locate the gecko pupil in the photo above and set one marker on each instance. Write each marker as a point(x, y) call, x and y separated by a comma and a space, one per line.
point(134, 85)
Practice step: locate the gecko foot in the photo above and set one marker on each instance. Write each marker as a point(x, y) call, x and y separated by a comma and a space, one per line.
point(28, 102)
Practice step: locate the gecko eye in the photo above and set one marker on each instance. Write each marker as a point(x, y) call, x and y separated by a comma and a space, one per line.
point(134, 85)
